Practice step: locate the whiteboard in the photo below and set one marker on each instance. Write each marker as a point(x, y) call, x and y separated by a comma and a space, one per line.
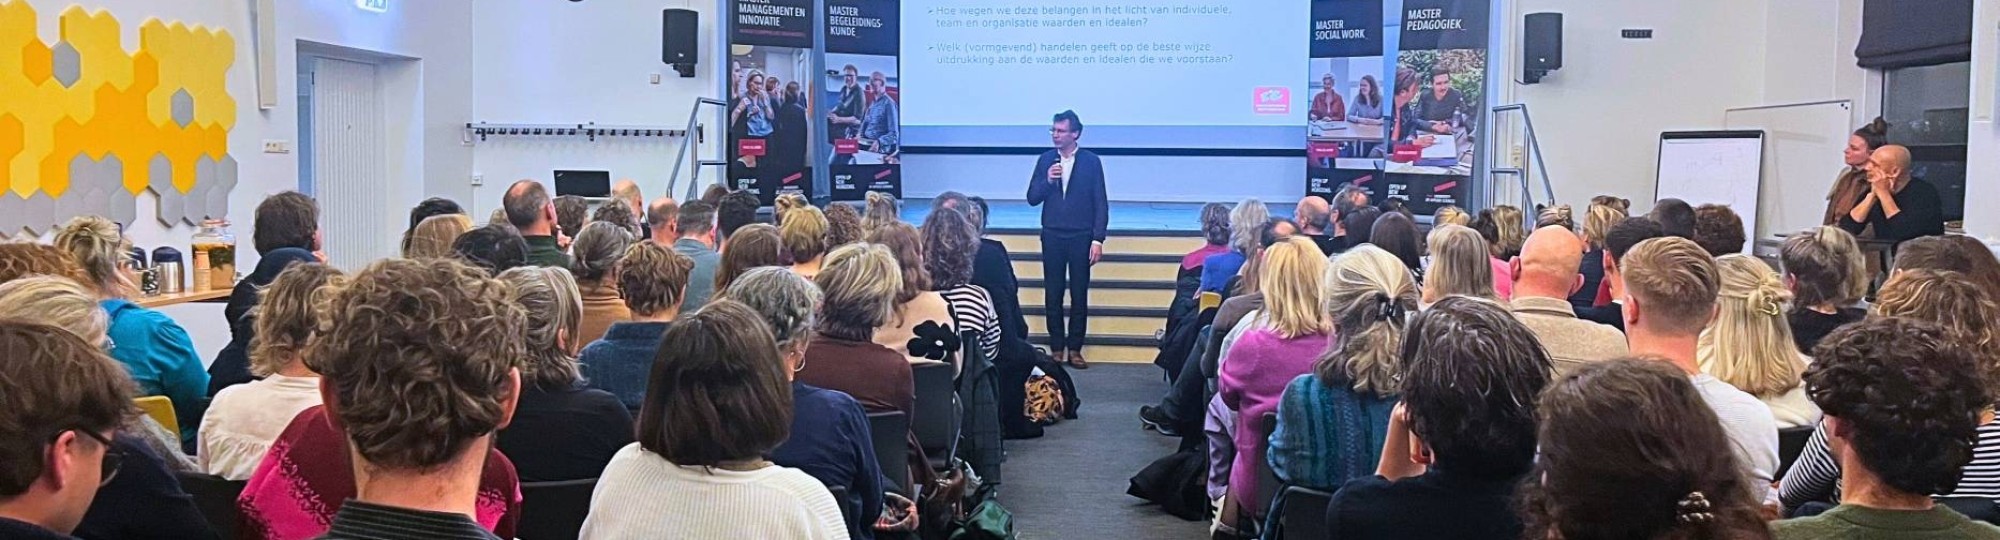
point(1801, 160)
point(1713, 167)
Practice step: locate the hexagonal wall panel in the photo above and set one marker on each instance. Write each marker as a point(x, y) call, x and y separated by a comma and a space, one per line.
point(10, 213)
point(38, 213)
point(173, 205)
point(182, 107)
point(216, 203)
point(67, 64)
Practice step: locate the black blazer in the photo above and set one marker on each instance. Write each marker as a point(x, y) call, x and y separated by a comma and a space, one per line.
point(1078, 203)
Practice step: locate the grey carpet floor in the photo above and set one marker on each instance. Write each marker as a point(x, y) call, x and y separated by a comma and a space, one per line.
point(1071, 482)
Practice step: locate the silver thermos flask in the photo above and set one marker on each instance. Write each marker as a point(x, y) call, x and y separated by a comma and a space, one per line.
point(171, 272)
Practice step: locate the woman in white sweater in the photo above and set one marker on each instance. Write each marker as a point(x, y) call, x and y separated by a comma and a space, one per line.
point(718, 401)
point(1749, 345)
point(245, 419)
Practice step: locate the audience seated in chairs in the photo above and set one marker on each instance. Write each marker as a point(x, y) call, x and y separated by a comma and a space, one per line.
point(1215, 233)
point(1603, 213)
point(594, 258)
point(429, 208)
point(495, 248)
point(1331, 422)
point(1903, 400)
point(951, 242)
point(653, 281)
point(1623, 236)
point(1312, 214)
point(698, 242)
point(1180, 411)
point(1605, 471)
point(1749, 344)
point(416, 387)
point(286, 231)
point(1244, 221)
point(1972, 320)
point(65, 401)
point(1827, 275)
point(804, 233)
point(1672, 285)
point(830, 437)
point(1957, 253)
point(1544, 276)
point(432, 238)
point(718, 403)
point(752, 246)
point(1288, 335)
point(1396, 234)
point(561, 429)
point(1459, 265)
point(145, 499)
point(915, 302)
point(1501, 227)
point(1463, 436)
point(1015, 360)
point(843, 225)
point(245, 419)
point(154, 349)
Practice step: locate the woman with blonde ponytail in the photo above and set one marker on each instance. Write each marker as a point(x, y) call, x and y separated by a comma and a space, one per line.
point(882, 210)
point(1749, 345)
point(1331, 422)
point(154, 349)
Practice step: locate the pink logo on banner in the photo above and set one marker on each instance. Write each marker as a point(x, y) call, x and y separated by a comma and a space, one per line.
point(1322, 149)
point(750, 147)
point(846, 146)
point(1443, 187)
point(1271, 100)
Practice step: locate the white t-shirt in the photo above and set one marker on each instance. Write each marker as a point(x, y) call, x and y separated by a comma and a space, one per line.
point(642, 495)
point(243, 420)
point(1753, 433)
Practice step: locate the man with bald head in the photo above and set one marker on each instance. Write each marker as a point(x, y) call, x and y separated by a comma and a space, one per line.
point(1312, 215)
point(660, 217)
point(1544, 276)
point(1898, 207)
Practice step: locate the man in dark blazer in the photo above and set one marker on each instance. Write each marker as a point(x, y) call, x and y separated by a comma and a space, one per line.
point(1068, 183)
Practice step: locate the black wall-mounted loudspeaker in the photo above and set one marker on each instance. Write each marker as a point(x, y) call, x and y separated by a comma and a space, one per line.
point(1541, 46)
point(678, 39)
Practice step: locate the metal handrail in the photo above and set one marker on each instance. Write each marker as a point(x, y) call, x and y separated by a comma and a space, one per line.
point(680, 156)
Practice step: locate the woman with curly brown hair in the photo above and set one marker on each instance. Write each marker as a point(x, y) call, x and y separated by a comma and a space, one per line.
point(916, 303)
point(245, 419)
point(1904, 401)
point(950, 244)
point(1607, 473)
point(843, 226)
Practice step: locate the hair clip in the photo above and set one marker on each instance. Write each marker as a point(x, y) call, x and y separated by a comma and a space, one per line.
point(1694, 509)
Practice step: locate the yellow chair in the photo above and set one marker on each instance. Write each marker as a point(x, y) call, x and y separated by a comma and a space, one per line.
point(162, 411)
point(1209, 300)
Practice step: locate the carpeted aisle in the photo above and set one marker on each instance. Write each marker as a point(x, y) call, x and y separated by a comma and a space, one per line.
point(1071, 482)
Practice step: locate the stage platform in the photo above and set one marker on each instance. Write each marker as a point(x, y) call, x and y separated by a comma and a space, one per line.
point(1126, 217)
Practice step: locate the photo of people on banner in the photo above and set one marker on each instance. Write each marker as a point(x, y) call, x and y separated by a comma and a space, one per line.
point(1439, 88)
point(768, 115)
point(863, 94)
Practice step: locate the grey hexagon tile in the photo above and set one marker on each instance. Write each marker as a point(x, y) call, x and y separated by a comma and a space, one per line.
point(68, 66)
point(219, 187)
point(182, 107)
point(38, 213)
point(197, 197)
point(160, 178)
point(89, 184)
point(10, 213)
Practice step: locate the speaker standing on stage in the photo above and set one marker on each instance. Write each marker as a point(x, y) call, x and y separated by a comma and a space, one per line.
point(1068, 183)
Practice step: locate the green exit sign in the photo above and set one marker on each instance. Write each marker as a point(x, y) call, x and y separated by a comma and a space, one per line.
point(377, 6)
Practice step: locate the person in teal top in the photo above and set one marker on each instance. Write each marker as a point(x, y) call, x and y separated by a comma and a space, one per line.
point(161, 358)
point(153, 348)
point(1332, 422)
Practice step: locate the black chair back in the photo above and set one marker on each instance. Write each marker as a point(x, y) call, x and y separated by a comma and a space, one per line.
point(216, 498)
point(554, 510)
point(936, 418)
point(840, 498)
point(1791, 443)
point(888, 431)
point(1268, 485)
point(1305, 513)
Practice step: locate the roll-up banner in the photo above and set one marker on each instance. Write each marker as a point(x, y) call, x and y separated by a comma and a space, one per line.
point(770, 114)
point(862, 93)
point(1438, 101)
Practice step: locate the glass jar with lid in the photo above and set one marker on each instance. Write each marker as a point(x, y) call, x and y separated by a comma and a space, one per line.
point(214, 256)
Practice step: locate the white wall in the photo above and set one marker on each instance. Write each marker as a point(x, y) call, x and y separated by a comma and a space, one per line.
point(548, 62)
point(434, 32)
point(1599, 118)
point(1982, 148)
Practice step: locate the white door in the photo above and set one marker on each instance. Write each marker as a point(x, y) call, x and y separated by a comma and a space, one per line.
point(349, 175)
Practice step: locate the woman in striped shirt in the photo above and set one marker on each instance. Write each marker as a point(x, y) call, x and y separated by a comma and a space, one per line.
point(1955, 301)
point(951, 241)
